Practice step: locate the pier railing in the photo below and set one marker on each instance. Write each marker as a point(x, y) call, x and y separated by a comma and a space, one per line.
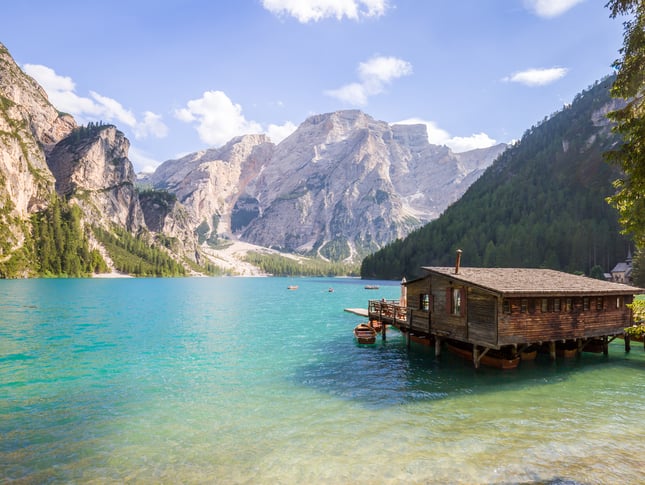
point(388, 311)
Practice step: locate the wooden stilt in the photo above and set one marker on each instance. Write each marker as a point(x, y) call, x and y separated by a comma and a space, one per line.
point(552, 350)
point(476, 356)
point(383, 330)
point(628, 346)
point(437, 347)
point(605, 345)
point(580, 345)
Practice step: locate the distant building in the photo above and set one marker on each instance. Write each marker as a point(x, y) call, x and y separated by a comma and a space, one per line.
point(622, 272)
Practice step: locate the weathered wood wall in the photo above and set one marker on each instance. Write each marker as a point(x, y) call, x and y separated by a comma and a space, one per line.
point(420, 318)
point(444, 323)
point(482, 317)
point(534, 325)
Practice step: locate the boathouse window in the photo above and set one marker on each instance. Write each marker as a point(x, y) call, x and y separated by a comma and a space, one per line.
point(506, 305)
point(599, 303)
point(585, 303)
point(556, 304)
point(424, 301)
point(619, 301)
point(524, 305)
point(544, 305)
point(456, 301)
point(567, 304)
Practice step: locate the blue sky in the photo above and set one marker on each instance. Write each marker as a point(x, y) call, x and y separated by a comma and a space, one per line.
point(178, 76)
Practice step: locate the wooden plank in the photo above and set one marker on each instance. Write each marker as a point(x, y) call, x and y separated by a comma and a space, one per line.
point(357, 311)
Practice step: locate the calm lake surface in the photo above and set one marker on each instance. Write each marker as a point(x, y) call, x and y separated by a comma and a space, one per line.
point(238, 380)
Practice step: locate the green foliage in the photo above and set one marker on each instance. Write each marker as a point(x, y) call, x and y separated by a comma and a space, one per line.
point(629, 85)
point(597, 272)
point(336, 250)
point(60, 244)
point(638, 310)
point(81, 133)
point(162, 198)
point(136, 256)
point(207, 268)
point(638, 267)
point(541, 204)
point(282, 266)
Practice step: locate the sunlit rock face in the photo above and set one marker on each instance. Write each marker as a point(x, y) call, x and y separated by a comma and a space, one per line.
point(342, 185)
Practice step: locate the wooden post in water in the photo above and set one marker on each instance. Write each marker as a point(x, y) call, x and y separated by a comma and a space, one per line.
point(552, 350)
point(605, 345)
point(383, 330)
point(476, 356)
point(628, 347)
point(437, 346)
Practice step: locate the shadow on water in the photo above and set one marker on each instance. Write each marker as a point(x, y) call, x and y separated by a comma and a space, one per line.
point(389, 373)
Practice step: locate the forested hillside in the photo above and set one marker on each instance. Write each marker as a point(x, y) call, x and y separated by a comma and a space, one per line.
point(541, 204)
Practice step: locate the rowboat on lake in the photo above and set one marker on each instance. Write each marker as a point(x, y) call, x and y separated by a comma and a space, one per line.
point(364, 334)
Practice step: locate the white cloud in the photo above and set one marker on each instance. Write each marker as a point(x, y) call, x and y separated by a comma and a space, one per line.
point(550, 8)
point(374, 75)
point(460, 144)
point(218, 118)
point(61, 93)
point(314, 10)
point(113, 110)
point(538, 77)
point(277, 133)
point(457, 144)
point(151, 125)
point(142, 161)
point(354, 94)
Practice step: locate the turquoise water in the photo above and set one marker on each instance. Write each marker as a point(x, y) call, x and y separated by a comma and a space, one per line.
point(238, 380)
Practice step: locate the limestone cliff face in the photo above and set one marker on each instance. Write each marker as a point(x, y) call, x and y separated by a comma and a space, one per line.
point(342, 185)
point(43, 152)
point(210, 182)
point(165, 216)
point(92, 166)
point(29, 126)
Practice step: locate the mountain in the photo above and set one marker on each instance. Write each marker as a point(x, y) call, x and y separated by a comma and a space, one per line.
point(68, 197)
point(29, 127)
point(341, 186)
point(540, 204)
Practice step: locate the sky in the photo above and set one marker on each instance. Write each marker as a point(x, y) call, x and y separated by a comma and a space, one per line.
point(179, 76)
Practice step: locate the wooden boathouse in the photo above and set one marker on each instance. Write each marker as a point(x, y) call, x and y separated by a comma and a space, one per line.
point(509, 310)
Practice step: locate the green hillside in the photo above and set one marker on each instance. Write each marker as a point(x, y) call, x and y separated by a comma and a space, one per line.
point(541, 204)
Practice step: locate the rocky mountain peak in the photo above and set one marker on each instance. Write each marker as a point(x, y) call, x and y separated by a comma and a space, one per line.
point(341, 185)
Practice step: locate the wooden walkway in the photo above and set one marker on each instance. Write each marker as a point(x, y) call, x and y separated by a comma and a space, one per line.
point(361, 312)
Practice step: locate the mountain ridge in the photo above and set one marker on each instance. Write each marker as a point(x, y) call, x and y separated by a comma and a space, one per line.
point(304, 194)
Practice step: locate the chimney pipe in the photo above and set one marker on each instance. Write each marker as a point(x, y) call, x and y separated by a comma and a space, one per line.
point(458, 262)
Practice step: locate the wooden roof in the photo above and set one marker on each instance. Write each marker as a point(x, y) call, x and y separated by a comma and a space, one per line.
point(533, 282)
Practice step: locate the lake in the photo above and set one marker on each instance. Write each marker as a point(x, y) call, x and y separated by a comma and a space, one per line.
point(239, 380)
